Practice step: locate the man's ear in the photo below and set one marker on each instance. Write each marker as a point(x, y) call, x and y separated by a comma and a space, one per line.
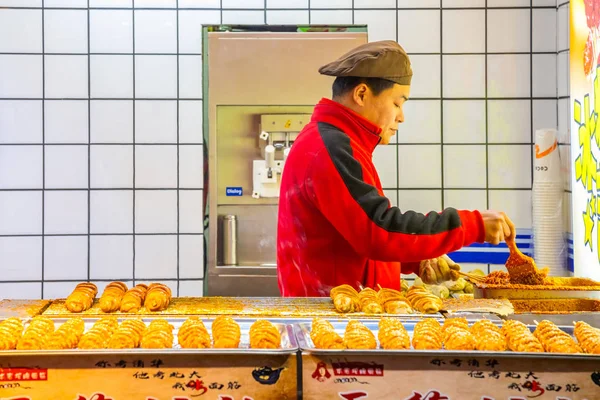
point(359, 94)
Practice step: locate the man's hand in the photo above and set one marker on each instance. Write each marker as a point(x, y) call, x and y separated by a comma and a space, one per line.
point(438, 270)
point(498, 227)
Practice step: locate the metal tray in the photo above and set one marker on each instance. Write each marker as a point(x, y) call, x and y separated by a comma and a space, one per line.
point(282, 307)
point(302, 331)
point(289, 345)
point(471, 316)
point(567, 320)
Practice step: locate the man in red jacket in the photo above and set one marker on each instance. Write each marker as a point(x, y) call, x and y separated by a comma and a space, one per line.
point(335, 226)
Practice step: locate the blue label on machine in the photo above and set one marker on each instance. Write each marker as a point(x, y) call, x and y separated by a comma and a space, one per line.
point(233, 191)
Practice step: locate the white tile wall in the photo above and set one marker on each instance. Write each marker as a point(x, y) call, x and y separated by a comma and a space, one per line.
point(73, 124)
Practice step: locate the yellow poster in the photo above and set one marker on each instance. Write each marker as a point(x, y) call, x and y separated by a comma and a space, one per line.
point(585, 140)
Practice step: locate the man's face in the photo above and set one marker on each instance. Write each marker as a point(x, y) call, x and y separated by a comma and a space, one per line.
point(385, 109)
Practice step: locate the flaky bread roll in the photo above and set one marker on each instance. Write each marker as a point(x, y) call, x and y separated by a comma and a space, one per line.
point(38, 329)
point(324, 336)
point(345, 299)
point(393, 301)
point(264, 335)
point(554, 339)
point(588, 337)
point(82, 297)
point(158, 297)
point(226, 332)
point(134, 298)
point(368, 301)
point(158, 335)
point(193, 334)
point(358, 336)
point(427, 335)
point(99, 335)
point(128, 335)
point(392, 334)
point(112, 296)
point(11, 330)
point(67, 335)
point(423, 301)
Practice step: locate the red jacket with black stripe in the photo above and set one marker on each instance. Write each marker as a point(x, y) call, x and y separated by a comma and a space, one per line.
point(335, 226)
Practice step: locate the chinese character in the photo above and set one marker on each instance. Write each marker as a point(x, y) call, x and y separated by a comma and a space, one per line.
point(233, 385)
point(362, 371)
point(26, 376)
point(197, 385)
point(102, 364)
point(571, 387)
point(514, 375)
point(553, 388)
point(353, 395)
point(473, 363)
point(494, 374)
point(534, 386)
point(476, 374)
point(156, 363)
point(159, 375)
point(177, 375)
point(34, 376)
point(216, 385)
point(178, 385)
point(141, 375)
point(531, 375)
point(456, 362)
point(491, 363)
point(138, 364)
point(121, 364)
point(194, 374)
point(431, 395)
point(437, 362)
point(378, 372)
point(514, 386)
point(43, 376)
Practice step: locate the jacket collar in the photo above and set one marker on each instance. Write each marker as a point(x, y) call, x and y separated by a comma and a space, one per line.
point(357, 127)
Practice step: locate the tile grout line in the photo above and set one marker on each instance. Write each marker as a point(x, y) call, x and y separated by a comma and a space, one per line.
point(43, 149)
point(89, 147)
point(487, 145)
point(178, 148)
point(397, 190)
point(441, 107)
point(531, 84)
point(133, 144)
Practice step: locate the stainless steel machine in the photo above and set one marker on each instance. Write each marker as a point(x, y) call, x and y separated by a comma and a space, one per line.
point(261, 84)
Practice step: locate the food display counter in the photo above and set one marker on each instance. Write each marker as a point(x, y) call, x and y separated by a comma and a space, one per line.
point(295, 368)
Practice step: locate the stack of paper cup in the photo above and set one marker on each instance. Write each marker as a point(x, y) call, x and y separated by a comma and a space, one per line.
point(547, 195)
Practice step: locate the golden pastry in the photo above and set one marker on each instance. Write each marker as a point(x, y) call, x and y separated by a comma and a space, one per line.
point(393, 301)
point(488, 337)
point(158, 297)
point(519, 337)
point(264, 335)
point(588, 337)
point(158, 335)
point(128, 335)
point(99, 335)
point(345, 299)
point(358, 336)
point(368, 301)
point(112, 296)
point(193, 334)
point(423, 301)
point(554, 339)
point(455, 322)
point(392, 335)
point(67, 335)
point(38, 329)
point(226, 332)
point(458, 338)
point(324, 336)
point(82, 297)
point(11, 330)
point(427, 335)
point(134, 298)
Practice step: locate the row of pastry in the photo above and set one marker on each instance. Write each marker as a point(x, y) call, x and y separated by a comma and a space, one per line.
point(108, 333)
point(456, 334)
point(118, 297)
point(347, 300)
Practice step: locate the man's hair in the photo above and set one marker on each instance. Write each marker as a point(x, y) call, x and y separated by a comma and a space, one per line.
point(344, 84)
